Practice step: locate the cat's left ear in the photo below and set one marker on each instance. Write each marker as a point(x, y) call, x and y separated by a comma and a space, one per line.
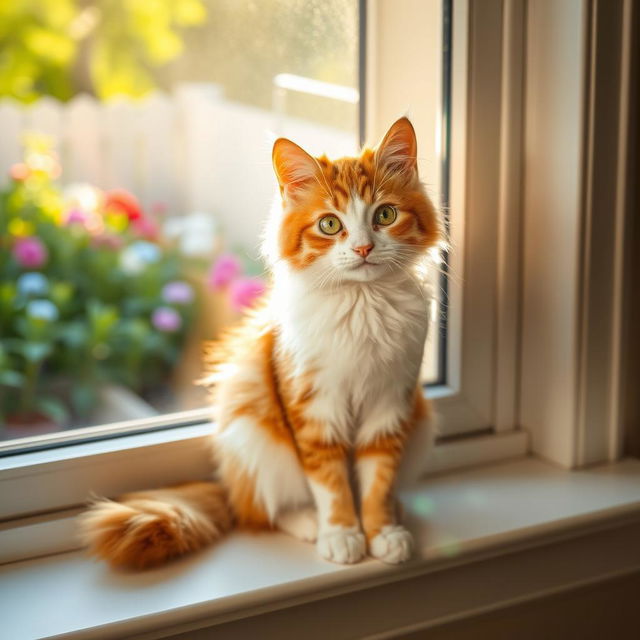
point(399, 148)
point(294, 167)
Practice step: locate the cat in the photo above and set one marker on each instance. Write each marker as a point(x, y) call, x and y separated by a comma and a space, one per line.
point(317, 403)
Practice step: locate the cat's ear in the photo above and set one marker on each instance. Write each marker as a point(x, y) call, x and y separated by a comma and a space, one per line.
point(399, 148)
point(294, 167)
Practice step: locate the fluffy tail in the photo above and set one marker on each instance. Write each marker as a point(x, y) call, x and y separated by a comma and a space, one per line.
point(147, 528)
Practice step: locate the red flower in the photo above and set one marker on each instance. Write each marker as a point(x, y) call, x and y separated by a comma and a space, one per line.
point(123, 201)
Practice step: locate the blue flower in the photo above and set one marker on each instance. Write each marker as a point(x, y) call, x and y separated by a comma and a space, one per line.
point(32, 284)
point(146, 251)
point(42, 310)
point(138, 255)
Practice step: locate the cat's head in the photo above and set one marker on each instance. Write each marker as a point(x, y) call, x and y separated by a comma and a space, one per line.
point(352, 219)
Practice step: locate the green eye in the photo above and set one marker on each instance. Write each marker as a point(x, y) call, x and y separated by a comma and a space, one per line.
point(385, 215)
point(330, 225)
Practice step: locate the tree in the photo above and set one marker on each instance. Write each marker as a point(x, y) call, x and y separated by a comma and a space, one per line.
point(103, 47)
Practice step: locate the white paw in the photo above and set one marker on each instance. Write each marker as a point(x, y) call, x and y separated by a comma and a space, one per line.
point(392, 545)
point(301, 524)
point(344, 546)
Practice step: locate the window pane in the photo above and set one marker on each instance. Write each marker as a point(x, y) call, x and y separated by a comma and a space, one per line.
point(133, 225)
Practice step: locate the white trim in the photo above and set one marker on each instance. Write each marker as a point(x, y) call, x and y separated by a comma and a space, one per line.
point(577, 92)
point(509, 217)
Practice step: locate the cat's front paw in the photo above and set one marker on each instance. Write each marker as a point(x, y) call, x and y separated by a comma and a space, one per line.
point(392, 545)
point(344, 546)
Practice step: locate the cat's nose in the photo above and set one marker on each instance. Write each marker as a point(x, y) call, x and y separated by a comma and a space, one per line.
point(364, 250)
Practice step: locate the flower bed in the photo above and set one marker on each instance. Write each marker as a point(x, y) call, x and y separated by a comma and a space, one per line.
point(90, 294)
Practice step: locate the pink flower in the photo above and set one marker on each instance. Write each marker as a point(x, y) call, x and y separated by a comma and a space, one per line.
point(244, 292)
point(226, 268)
point(30, 252)
point(75, 216)
point(166, 319)
point(146, 228)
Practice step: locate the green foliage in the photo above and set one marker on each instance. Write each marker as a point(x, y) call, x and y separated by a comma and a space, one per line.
point(110, 47)
point(85, 276)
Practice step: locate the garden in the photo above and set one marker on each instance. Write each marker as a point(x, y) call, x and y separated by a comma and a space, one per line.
point(93, 297)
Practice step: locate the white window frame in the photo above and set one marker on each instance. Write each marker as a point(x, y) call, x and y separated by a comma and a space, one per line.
point(497, 357)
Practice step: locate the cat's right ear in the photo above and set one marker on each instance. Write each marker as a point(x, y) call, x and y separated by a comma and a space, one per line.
point(294, 167)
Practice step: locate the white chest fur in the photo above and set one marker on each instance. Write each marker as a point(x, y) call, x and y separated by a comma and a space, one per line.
point(362, 341)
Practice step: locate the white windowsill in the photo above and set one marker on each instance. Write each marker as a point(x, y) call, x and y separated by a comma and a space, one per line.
point(456, 519)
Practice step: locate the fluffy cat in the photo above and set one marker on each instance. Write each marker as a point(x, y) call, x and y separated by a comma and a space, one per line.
point(317, 403)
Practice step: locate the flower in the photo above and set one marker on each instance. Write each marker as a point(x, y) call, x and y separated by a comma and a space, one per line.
point(243, 292)
point(224, 270)
point(138, 255)
point(123, 201)
point(177, 292)
point(44, 162)
point(75, 216)
point(32, 284)
point(21, 228)
point(166, 319)
point(146, 227)
point(42, 310)
point(83, 196)
point(30, 252)
point(19, 172)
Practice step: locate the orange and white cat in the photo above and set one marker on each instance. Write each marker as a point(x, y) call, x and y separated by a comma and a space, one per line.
point(318, 409)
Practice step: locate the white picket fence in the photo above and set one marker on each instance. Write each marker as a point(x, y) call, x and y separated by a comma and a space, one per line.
point(192, 151)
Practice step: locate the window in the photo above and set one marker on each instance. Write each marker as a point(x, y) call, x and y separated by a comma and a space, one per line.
point(511, 310)
point(147, 244)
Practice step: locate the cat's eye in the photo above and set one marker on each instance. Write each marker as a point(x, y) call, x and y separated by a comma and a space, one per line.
point(385, 215)
point(330, 225)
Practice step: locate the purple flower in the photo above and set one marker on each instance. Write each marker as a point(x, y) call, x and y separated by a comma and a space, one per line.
point(166, 319)
point(224, 270)
point(177, 292)
point(30, 252)
point(243, 292)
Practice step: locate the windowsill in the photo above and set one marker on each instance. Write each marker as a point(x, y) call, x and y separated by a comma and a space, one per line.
point(456, 519)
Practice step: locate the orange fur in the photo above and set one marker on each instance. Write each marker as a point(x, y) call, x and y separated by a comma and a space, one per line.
point(147, 528)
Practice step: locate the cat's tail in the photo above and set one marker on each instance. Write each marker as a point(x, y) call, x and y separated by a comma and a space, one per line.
point(147, 528)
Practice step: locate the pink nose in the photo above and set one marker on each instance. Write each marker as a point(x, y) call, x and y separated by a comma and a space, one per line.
point(364, 250)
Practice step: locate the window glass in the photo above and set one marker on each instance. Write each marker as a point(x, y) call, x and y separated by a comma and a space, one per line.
point(136, 175)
